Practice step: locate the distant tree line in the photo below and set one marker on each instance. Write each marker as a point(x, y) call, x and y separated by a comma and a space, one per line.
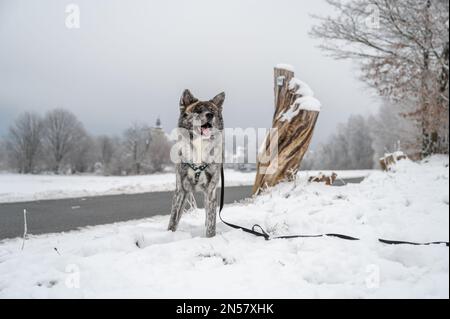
point(59, 143)
point(361, 142)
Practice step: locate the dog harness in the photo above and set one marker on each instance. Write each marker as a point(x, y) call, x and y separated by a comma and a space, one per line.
point(198, 169)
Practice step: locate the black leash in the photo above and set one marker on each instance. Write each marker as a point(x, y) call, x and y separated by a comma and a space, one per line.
point(257, 230)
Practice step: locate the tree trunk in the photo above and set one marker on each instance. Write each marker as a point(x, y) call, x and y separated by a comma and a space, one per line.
point(286, 150)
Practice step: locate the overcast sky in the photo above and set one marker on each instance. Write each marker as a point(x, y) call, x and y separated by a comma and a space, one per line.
point(130, 60)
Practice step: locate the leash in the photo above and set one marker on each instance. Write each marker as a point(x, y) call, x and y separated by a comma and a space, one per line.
point(259, 231)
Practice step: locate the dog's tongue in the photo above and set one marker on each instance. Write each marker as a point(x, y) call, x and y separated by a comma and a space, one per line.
point(205, 131)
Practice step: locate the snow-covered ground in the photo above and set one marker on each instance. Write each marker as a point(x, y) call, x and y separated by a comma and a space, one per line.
point(142, 259)
point(20, 188)
point(349, 174)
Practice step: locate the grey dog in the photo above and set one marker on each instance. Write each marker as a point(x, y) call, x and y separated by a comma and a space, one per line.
point(201, 162)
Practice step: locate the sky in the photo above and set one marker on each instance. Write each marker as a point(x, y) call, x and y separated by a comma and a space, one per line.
point(129, 61)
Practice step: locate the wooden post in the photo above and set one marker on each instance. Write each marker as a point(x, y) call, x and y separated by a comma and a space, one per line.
point(296, 113)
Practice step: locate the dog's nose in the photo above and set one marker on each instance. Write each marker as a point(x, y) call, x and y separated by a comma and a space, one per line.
point(209, 116)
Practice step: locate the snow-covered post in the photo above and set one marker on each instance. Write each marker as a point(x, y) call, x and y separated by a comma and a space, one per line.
point(296, 113)
point(25, 228)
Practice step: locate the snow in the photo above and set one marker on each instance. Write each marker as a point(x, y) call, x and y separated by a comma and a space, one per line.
point(306, 101)
point(140, 259)
point(341, 174)
point(398, 154)
point(303, 88)
point(20, 188)
point(286, 67)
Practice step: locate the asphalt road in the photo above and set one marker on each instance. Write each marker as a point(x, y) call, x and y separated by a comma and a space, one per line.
point(53, 216)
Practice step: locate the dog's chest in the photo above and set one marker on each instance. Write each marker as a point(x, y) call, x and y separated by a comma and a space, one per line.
point(197, 177)
point(201, 149)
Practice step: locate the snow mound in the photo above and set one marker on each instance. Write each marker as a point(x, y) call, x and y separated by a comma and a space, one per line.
point(303, 89)
point(306, 101)
point(141, 259)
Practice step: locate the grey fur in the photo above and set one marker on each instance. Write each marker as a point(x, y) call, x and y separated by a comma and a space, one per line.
point(204, 112)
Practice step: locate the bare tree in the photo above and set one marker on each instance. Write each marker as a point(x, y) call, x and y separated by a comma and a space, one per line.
point(3, 155)
point(136, 146)
point(159, 150)
point(62, 133)
point(392, 132)
point(24, 141)
point(105, 145)
point(82, 157)
point(349, 148)
point(108, 155)
point(360, 151)
point(403, 49)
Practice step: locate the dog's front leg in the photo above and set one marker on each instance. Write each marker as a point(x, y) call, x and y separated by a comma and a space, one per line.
point(211, 212)
point(178, 202)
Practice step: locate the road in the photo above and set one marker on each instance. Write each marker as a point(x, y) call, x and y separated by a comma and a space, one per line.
point(52, 216)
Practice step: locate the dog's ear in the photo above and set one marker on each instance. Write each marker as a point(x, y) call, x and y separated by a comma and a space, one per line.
point(219, 99)
point(186, 99)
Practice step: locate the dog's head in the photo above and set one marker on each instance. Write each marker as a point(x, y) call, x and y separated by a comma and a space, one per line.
point(201, 118)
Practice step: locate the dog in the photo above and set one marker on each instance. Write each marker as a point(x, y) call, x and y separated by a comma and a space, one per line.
point(201, 162)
